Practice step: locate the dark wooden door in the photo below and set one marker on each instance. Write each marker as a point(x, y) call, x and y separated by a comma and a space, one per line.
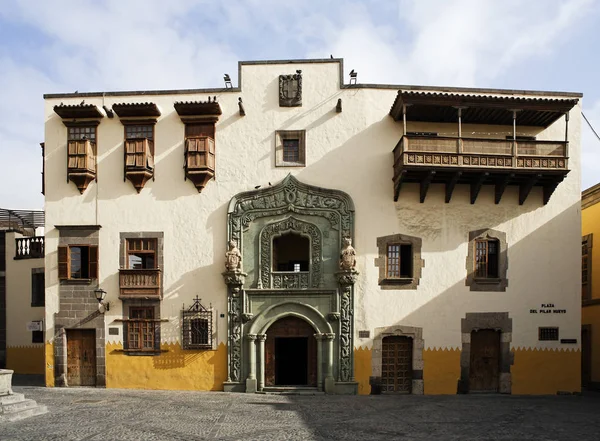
point(291, 327)
point(396, 364)
point(586, 355)
point(81, 357)
point(484, 372)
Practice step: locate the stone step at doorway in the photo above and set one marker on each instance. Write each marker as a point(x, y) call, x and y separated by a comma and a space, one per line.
point(291, 390)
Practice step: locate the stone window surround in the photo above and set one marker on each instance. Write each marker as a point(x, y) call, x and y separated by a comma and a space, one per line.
point(80, 293)
point(159, 236)
point(280, 135)
point(475, 321)
point(417, 356)
point(417, 264)
point(498, 284)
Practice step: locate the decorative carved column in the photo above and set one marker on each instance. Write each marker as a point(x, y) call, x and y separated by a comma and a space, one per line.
point(329, 381)
point(319, 338)
point(261, 360)
point(235, 282)
point(251, 380)
point(346, 279)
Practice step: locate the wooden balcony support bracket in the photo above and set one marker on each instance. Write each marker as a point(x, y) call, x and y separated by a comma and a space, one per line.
point(525, 188)
point(548, 190)
point(501, 185)
point(476, 186)
point(451, 184)
point(398, 183)
point(425, 185)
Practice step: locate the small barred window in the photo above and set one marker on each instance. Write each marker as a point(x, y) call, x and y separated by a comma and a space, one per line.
point(548, 334)
point(197, 323)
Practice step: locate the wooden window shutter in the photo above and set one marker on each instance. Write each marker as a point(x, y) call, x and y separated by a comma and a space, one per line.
point(63, 262)
point(93, 263)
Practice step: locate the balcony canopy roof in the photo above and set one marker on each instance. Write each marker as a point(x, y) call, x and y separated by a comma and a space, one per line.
point(479, 109)
point(198, 108)
point(136, 109)
point(78, 111)
point(19, 219)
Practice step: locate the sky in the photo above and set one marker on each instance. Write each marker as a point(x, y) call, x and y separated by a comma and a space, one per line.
point(60, 46)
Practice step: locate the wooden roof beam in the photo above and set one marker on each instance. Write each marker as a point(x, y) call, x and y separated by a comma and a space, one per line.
point(476, 186)
point(425, 185)
point(525, 188)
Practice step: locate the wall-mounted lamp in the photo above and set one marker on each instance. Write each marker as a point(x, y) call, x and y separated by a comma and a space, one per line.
point(100, 296)
point(353, 75)
point(227, 80)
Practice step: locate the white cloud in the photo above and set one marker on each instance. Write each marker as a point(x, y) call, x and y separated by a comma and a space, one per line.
point(153, 44)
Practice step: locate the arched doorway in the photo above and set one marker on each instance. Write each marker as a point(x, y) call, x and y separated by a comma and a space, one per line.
point(291, 353)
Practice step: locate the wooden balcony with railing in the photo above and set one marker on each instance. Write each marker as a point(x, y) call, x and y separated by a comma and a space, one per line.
point(140, 284)
point(479, 161)
point(29, 247)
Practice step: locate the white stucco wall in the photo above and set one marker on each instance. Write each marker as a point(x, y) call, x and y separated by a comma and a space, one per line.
point(18, 296)
point(349, 151)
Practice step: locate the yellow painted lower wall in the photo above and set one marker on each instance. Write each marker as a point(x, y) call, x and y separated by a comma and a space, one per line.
point(49, 364)
point(362, 369)
point(543, 371)
point(25, 359)
point(174, 369)
point(441, 371)
point(590, 315)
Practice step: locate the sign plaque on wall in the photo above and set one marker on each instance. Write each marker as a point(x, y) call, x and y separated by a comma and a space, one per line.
point(34, 326)
point(547, 308)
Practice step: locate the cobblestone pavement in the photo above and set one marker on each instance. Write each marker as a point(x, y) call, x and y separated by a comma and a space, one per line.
point(118, 414)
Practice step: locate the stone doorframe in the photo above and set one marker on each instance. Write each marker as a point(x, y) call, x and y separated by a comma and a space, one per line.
point(417, 355)
point(475, 321)
point(257, 335)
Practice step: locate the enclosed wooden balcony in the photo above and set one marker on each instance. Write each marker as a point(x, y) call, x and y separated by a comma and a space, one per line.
point(140, 284)
point(81, 162)
point(477, 162)
point(199, 160)
point(426, 158)
point(139, 161)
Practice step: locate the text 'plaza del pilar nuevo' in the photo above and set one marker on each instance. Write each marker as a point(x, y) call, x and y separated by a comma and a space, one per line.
point(297, 232)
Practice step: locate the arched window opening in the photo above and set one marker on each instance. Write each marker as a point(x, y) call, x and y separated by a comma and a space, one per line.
point(291, 252)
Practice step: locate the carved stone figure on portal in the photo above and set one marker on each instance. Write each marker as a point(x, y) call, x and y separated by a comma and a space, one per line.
point(233, 257)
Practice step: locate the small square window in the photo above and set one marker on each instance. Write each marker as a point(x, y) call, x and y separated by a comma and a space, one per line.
point(77, 262)
point(290, 148)
point(399, 261)
point(37, 337)
point(548, 334)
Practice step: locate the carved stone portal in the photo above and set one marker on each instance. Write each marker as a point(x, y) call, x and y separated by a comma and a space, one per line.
point(323, 295)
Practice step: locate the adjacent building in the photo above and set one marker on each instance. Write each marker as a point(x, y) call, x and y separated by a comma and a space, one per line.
point(22, 291)
point(590, 292)
point(298, 231)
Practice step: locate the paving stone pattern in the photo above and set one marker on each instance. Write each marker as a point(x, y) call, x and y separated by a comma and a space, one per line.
point(100, 414)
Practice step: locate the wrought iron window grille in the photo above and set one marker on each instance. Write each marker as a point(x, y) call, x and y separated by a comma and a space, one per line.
point(197, 326)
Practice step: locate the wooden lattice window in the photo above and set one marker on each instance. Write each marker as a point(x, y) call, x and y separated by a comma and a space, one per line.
point(586, 270)
point(399, 261)
point(141, 253)
point(486, 258)
point(290, 148)
point(197, 323)
point(77, 262)
point(141, 329)
point(82, 148)
point(548, 334)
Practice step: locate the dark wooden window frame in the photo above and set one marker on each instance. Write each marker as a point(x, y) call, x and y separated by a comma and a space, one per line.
point(37, 336)
point(38, 297)
point(416, 263)
point(64, 263)
point(399, 267)
point(485, 267)
point(283, 135)
point(129, 306)
point(586, 262)
point(129, 251)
